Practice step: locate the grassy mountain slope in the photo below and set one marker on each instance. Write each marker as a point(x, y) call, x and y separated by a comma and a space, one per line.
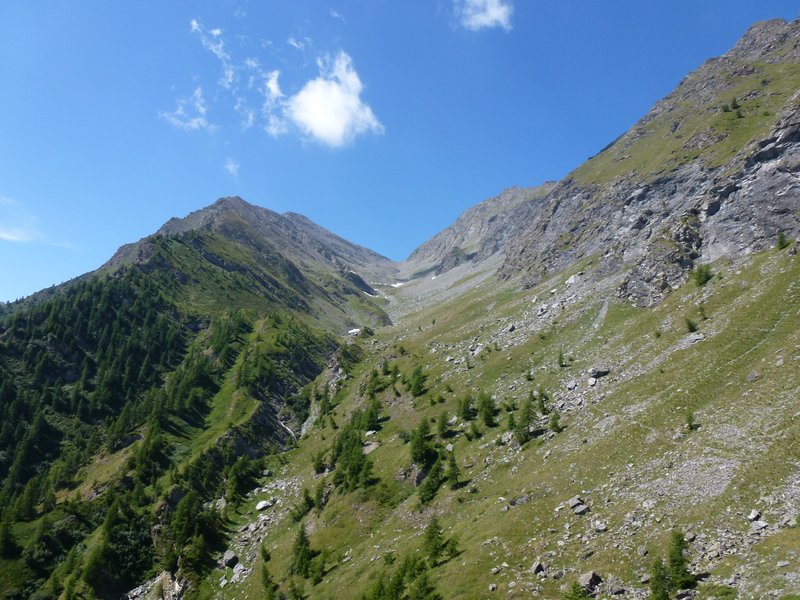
point(160, 377)
point(710, 171)
point(626, 449)
point(192, 419)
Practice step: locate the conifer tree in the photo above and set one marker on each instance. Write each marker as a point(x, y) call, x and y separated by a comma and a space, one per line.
point(301, 554)
point(433, 542)
point(678, 562)
point(442, 425)
point(423, 588)
point(417, 382)
point(576, 592)
point(420, 446)
point(432, 482)
point(555, 423)
point(541, 402)
point(8, 544)
point(487, 409)
point(525, 415)
point(453, 472)
point(660, 583)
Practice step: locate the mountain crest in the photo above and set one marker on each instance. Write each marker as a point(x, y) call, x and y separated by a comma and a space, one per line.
point(769, 41)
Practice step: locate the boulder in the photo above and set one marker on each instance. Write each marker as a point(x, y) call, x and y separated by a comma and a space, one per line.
point(229, 559)
point(574, 501)
point(520, 500)
point(589, 580)
point(581, 509)
point(759, 525)
point(789, 520)
point(599, 371)
point(754, 515)
point(537, 567)
point(616, 590)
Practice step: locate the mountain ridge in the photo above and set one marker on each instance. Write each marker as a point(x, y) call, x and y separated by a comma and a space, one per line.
point(577, 373)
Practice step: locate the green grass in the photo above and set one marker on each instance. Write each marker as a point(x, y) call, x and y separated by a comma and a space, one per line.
point(665, 142)
point(744, 329)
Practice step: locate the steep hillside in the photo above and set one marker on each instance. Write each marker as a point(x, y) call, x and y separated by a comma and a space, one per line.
point(233, 254)
point(158, 378)
point(225, 410)
point(710, 171)
point(479, 233)
point(514, 440)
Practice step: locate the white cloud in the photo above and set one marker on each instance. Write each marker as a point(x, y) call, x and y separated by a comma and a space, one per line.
point(298, 44)
point(16, 224)
point(484, 14)
point(232, 167)
point(276, 125)
point(212, 41)
point(190, 113)
point(337, 15)
point(248, 114)
point(329, 108)
point(271, 85)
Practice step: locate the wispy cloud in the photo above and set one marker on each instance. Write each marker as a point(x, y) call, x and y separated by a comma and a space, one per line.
point(232, 167)
point(212, 41)
point(329, 108)
point(484, 14)
point(337, 15)
point(299, 44)
point(189, 113)
point(16, 223)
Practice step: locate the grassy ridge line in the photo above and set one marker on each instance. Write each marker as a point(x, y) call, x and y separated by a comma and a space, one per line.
point(708, 134)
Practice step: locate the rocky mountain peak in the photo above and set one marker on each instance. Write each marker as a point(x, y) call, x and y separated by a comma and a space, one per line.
point(768, 41)
point(710, 171)
point(294, 236)
point(480, 232)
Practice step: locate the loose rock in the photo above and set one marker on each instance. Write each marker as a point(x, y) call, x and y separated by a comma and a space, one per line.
point(229, 559)
point(589, 580)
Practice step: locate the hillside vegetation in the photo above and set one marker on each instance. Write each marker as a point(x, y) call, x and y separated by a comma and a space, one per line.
point(585, 389)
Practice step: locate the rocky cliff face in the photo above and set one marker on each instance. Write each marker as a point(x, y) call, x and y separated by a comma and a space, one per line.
point(712, 170)
point(480, 232)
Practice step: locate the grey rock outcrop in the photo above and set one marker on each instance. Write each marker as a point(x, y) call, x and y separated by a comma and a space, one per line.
point(480, 232)
point(656, 214)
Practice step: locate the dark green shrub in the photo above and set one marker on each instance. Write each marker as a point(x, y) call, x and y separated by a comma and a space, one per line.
point(702, 274)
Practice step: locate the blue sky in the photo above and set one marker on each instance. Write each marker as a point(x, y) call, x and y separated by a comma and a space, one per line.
point(381, 120)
